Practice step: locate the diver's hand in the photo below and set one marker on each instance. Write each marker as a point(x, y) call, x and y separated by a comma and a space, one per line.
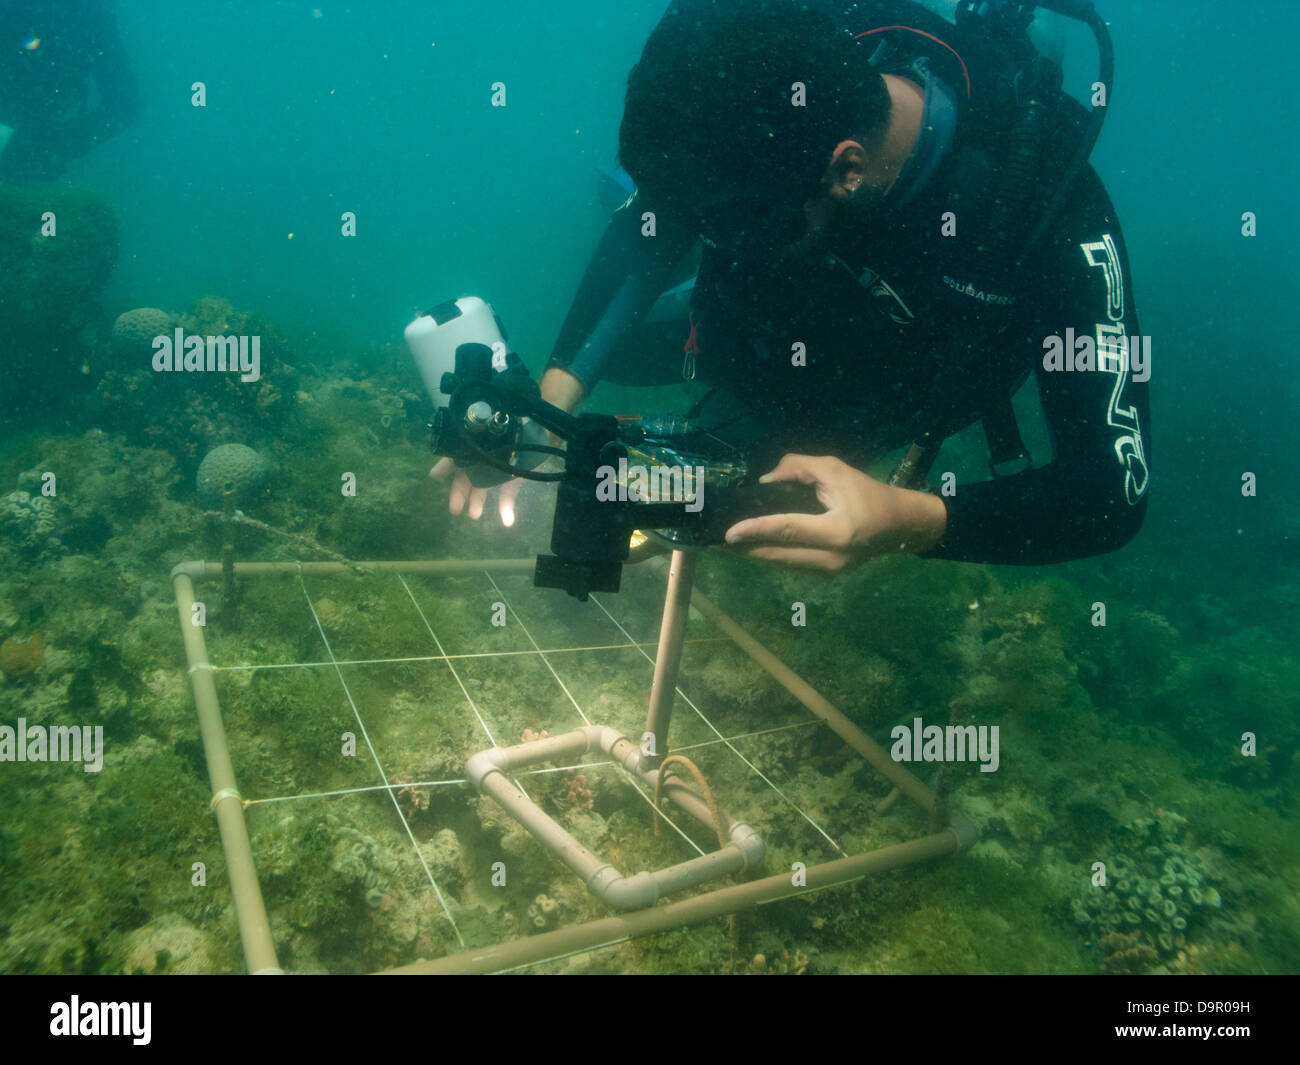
point(462, 490)
point(864, 518)
point(559, 388)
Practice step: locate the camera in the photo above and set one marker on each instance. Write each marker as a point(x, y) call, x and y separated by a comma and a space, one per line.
point(673, 479)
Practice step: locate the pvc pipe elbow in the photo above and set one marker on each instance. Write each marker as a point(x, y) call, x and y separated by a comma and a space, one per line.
point(748, 842)
point(483, 763)
point(602, 737)
point(964, 829)
point(606, 739)
point(624, 892)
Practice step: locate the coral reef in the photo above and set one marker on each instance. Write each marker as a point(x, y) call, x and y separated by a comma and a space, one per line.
point(191, 413)
point(543, 912)
point(1126, 952)
point(28, 525)
point(1093, 739)
point(447, 858)
point(234, 471)
point(1156, 893)
point(1013, 812)
point(412, 799)
point(21, 658)
point(168, 944)
point(577, 794)
point(786, 963)
point(135, 331)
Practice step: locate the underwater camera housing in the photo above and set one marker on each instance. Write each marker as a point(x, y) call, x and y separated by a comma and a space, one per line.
point(635, 484)
point(621, 474)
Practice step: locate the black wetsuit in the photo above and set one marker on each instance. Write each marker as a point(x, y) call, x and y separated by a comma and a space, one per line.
point(906, 331)
point(65, 83)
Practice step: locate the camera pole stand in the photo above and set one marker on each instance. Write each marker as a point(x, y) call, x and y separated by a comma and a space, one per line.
point(668, 658)
point(489, 771)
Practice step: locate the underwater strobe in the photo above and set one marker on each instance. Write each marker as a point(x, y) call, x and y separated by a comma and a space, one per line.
point(460, 349)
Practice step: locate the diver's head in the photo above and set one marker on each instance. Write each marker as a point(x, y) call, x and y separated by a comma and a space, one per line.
point(762, 109)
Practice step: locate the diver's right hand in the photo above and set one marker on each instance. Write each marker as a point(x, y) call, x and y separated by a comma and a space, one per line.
point(559, 388)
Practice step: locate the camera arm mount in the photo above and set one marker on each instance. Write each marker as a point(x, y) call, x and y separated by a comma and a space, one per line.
point(591, 535)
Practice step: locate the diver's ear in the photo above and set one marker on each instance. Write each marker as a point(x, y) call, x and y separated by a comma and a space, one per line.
point(847, 172)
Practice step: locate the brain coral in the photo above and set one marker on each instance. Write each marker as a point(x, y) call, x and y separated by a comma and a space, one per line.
point(28, 522)
point(134, 331)
point(231, 468)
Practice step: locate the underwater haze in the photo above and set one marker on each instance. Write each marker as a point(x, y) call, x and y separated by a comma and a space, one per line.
point(345, 167)
point(373, 108)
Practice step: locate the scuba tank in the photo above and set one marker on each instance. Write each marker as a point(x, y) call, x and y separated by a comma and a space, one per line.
point(1030, 87)
point(1008, 54)
point(1016, 71)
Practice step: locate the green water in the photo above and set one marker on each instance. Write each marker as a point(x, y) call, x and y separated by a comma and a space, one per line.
point(1164, 744)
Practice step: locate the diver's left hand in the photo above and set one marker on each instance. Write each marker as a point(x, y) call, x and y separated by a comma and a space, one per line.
point(864, 519)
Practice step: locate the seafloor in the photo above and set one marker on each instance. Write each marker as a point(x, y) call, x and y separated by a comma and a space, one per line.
point(1119, 744)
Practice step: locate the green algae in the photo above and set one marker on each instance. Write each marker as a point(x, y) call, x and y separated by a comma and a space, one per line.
point(102, 867)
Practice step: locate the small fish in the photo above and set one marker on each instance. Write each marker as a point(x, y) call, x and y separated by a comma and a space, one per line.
point(32, 43)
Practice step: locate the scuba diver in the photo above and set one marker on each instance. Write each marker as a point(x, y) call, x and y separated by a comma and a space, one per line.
point(889, 219)
point(65, 85)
